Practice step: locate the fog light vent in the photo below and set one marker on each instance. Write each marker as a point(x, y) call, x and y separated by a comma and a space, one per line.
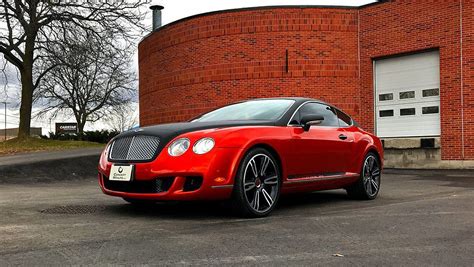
point(192, 183)
point(163, 184)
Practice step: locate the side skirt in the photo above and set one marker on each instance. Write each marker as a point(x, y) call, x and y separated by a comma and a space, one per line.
point(319, 177)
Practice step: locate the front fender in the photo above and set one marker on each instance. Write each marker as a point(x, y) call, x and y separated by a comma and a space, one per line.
point(275, 139)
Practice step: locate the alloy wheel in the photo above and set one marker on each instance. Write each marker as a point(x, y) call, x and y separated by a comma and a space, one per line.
point(371, 174)
point(261, 183)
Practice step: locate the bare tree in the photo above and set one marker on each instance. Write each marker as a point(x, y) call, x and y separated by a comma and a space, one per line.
point(90, 76)
point(26, 26)
point(122, 117)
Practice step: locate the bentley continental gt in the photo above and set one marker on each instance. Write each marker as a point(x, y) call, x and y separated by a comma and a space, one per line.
point(249, 152)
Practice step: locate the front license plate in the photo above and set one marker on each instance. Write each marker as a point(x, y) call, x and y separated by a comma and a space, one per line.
point(121, 173)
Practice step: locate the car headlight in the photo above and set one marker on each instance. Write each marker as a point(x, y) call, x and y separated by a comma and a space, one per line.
point(203, 146)
point(178, 147)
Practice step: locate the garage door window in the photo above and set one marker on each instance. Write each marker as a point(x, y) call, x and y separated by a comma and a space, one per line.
point(430, 92)
point(407, 95)
point(385, 97)
point(430, 110)
point(386, 113)
point(407, 111)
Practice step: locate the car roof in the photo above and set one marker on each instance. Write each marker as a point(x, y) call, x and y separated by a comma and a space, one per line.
point(285, 118)
point(299, 100)
point(283, 121)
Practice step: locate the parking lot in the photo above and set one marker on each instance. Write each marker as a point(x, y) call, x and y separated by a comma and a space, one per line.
point(420, 218)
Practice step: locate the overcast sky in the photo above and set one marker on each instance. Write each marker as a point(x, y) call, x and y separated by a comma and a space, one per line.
point(174, 10)
point(177, 9)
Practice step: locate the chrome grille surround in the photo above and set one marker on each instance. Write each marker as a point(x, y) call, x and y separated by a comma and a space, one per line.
point(134, 148)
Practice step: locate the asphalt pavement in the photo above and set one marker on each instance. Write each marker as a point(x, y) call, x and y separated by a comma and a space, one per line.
point(420, 218)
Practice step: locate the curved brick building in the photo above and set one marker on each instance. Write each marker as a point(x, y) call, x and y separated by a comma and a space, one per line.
point(403, 69)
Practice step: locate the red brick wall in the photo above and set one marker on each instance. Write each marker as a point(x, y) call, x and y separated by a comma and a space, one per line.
point(468, 76)
point(405, 26)
point(207, 61)
point(196, 64)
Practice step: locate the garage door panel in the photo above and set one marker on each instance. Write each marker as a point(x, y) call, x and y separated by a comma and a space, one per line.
point(409, 103)
point(409, 111)
point(406, 129)
point(412, 79)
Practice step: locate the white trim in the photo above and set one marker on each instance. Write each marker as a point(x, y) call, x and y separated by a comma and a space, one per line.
point(374, 93)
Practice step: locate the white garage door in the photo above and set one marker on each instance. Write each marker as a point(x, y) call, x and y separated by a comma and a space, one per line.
point(407, 95)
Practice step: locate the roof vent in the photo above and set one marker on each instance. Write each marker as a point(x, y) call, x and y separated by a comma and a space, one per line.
point(156, 16)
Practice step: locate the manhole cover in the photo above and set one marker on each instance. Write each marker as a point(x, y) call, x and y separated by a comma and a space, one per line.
point(73, 209)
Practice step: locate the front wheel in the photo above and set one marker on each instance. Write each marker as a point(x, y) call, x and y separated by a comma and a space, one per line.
point(368, 185)
point(257, 184)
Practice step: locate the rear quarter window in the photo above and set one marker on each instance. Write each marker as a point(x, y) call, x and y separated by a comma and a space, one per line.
point(344, 119)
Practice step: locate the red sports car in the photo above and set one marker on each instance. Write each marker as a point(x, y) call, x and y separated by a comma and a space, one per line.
point(249, 152)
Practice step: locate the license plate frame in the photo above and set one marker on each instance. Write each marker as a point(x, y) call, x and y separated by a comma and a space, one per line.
point(122, 172)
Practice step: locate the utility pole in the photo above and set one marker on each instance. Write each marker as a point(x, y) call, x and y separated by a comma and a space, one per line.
point(5, 130)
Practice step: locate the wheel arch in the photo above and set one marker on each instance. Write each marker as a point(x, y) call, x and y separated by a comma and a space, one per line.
point(270, 149)
point(265, 146)
point(377, 154)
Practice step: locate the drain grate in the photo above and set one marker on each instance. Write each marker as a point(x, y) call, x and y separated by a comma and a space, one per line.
point(73, 209)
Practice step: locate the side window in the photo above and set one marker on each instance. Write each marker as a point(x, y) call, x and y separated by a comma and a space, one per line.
point(330, 117)
point(344, 119)
point(296, 119)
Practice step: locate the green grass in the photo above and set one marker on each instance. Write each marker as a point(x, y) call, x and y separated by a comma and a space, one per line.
point(14, 146)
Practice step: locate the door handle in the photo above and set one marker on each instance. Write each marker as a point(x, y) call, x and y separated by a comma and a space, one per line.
point(342, 137)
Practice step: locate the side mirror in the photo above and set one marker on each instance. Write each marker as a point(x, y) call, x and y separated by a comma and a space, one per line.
point(310, 120)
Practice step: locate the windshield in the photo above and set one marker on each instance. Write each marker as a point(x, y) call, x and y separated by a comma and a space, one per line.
point(267, 109)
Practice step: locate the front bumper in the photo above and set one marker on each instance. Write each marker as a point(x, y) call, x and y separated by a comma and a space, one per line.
point(187, 177)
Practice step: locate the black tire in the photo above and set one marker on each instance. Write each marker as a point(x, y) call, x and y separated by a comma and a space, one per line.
point(256, 192)
point(139, 202)
point(368, 185)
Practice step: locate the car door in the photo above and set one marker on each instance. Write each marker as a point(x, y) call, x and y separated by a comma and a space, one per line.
point(321, 149)
point(346, 136)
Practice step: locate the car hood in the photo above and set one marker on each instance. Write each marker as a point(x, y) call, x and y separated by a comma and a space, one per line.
point(166, 132)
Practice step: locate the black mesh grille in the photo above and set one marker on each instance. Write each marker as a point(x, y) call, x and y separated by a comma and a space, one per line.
point(119, 149)
point(152, 186)
point(134, 148)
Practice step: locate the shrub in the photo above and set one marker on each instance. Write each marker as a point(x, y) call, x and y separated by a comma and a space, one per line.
point(102, 136)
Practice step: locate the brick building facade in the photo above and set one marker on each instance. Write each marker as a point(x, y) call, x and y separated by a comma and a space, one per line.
point(198, 63)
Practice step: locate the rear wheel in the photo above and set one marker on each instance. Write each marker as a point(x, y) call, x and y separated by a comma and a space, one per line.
point(368, 185)
point(257, 185)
